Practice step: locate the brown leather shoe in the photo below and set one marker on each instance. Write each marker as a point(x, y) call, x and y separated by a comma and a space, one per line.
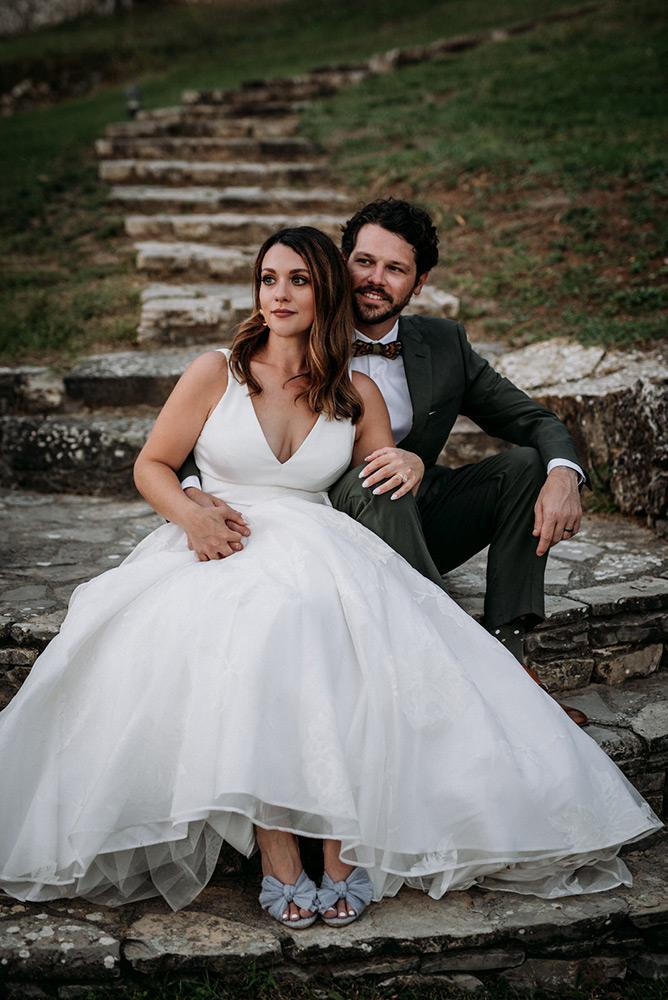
point(574, 714)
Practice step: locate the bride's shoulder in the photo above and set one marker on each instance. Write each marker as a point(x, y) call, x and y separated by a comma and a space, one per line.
point(366, 387)
point(208, 368)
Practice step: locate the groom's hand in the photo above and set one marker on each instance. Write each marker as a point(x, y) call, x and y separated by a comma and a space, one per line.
point(216, 530)
point(395, 469)
point(558, 511)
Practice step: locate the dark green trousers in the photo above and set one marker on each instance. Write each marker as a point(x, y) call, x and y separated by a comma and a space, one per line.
point(457, 513)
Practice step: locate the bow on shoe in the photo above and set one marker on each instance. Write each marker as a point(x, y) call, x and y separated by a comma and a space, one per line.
point(357, 889)
point(275, 898)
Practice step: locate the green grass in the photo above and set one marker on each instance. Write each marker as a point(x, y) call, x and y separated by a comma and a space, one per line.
point(576, 106)
point(261, 986)
point(579, 100)
point(213, 45)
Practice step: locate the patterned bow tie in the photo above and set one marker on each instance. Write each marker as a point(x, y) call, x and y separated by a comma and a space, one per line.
point(391, 351)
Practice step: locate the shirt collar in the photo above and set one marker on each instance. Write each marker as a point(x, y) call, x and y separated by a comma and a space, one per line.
point(387, 339)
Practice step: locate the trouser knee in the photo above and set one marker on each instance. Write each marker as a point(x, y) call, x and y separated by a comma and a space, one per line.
point(525, 472)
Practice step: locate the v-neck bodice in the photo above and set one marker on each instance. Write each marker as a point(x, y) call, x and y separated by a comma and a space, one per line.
point(237, 464)
point(300, 446)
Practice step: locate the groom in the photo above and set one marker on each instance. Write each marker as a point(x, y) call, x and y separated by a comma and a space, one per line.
point(520, 502)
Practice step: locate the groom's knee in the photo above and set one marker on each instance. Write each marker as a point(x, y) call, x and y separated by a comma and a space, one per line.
point(358, 501)
point(525, 471)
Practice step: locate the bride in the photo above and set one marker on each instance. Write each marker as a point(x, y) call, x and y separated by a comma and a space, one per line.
point(306, 682)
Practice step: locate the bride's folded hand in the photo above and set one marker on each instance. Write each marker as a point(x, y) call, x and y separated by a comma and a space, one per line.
point(216, 530)
point(394, 469)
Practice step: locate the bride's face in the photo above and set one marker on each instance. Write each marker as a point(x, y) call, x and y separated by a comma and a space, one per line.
point(286, 292)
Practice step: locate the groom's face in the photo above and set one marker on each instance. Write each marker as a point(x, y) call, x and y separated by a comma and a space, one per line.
point(384, 276)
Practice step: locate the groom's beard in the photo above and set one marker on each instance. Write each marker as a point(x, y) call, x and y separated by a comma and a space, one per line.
point(385, 308)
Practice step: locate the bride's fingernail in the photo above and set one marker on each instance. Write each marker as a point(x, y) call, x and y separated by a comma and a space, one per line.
point(376, 491)
point(365, 483)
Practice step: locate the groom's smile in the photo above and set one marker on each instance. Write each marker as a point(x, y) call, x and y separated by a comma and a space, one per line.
point(383, 272)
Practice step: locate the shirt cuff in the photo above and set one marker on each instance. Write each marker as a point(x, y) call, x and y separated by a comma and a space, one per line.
point(195, 481)
point(556, 462)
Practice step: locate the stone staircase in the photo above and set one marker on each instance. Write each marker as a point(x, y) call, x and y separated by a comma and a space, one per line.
point(203, 184)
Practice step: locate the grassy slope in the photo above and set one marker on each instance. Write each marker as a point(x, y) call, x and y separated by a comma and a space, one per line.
point(541, 107)
point(544, 160)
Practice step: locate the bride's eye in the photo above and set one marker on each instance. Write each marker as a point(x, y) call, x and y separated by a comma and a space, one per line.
point(300, 279)
point(267, 279)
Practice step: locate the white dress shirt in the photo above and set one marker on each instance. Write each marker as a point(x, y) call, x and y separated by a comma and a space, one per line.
point(389, 375)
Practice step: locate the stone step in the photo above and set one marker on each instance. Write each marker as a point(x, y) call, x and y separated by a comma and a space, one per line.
point(315, 85)
point(128, 378)
point(146, 198)
point(216, 148)
point(614, 404)
point(185, 172)
point(84, 453)
point(229, 264)
point(203, 120)
point(224, 228)
point(193, 313)
point(183, 313)
point(257, 98)
point(233, 103)
point(409, 944)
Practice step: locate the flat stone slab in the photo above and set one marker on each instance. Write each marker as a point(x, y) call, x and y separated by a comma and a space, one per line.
point(204, 148)
point(74, 453)
point(204, 120)
point(224, 227)
point(614, 404)
point(643, 594)
point(182, 172)
point(245, 199)
point(410, 935)
point(159, 943)
point(231, 264)
point(129, 378)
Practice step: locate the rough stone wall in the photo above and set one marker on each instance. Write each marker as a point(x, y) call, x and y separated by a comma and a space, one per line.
point(18, 17)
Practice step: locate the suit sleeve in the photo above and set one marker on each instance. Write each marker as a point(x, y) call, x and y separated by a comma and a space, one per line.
point(189, 468)
point(504, 411)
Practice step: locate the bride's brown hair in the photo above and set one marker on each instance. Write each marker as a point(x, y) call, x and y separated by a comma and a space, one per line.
point(329, 389)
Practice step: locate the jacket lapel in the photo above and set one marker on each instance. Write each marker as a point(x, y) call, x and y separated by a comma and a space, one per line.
point(417, 364)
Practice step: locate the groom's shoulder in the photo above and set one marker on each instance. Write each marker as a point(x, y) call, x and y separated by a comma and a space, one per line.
point(431, 328)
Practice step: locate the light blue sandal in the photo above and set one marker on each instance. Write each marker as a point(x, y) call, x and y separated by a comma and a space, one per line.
point(357, 890)
point(275, 897)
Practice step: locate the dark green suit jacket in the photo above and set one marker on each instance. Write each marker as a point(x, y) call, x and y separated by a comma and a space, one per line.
point(446, 377)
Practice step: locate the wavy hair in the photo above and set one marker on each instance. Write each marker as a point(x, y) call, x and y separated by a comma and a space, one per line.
point(402, 218)
point(329, 389)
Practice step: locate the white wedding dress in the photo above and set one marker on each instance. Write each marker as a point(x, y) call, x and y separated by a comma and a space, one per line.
point(314, 682)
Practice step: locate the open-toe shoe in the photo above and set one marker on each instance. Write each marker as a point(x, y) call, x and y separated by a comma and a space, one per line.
point(357, 890)
point(275, 898)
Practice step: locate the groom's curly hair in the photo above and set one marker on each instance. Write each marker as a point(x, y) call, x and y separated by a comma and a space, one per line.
point(402, 218)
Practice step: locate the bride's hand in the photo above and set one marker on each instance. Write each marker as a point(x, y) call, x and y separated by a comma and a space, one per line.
point(399, 468)
point(215, 530)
